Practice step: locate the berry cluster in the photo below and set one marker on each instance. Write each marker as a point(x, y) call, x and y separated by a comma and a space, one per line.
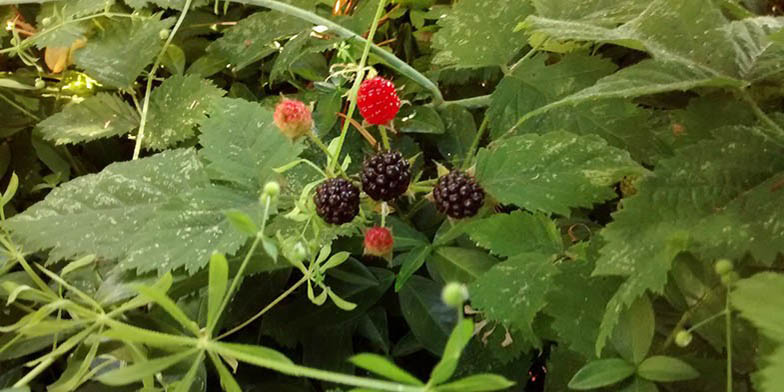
point(337, 201)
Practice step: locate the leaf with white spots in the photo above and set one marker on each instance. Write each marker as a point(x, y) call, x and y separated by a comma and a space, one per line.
point(519, 232)
point(553, 172)
point(477, 33)
point(514, 291)
point(137, 37)
point(157, 213)
point(176, 107)
point(728, 188)
point(102, 115)
point(242, 145)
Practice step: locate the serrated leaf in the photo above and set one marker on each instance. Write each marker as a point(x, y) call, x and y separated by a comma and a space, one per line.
point(519, 232)
point(553, 172)
point(242, 144)
point(100, 116)
point(598, 12)
point(661, 368)
point(765, 315)
point(139, 36)
point(735, 207)
point(460, 264)
point(252, 38)
point(162, 207)
point(178, 105)
point(514, 291)
point(460, 130)
point(466, 40)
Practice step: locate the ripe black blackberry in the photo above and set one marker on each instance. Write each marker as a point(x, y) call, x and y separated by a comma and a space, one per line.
point(337, 201)
point(385, 176)
point(458, 195)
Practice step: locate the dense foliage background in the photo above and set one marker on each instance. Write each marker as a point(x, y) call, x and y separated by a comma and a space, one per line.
point(632, 153)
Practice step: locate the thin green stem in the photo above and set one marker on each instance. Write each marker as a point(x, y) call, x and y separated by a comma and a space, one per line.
point(266, 308)
point(384, 137)
point(525, 57)
point(352, 95)
point(706, 321)
point(479, 102)
point(19, 107)
point(778, 138)
point(151, 76)
point(475, 144)
point(728, 338)
point(317, 141)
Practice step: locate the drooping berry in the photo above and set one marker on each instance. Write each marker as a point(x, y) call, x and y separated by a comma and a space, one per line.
point(379, 242)
point(683, 338)
point(293, 118)
point(385, 176)
point(454, 294)
point(458, 195)
point(337, 201)
point(723, 267)
point(378, 101)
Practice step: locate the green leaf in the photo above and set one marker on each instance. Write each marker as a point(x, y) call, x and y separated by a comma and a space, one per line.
point(466, 40)
point(633, 335)
point(184, 385)
point(171, 308)
point(661, 368)
point(699, 187)
point(460, 130)
point(599, 12)
point(540, 177)
point(227, 381)
point(383, 367)
point(242, 144)
point(177, 106)
point(162, 207)
point(252, 38)
point(242, 222)
point(519, 232)
point(430, 320)
point(128, 374)
point(10, 190)
point(412, 261)
point(175, 4)
point(406, 237)
point(100, 116)
point(576, 303)
point(138, 36)
point(216, 289)
point(255, 355)
point(601, 373)
point(637, 384)
point(765, 315)
point(460, 264)
point(459, 338)
point(514, 291)
point(419, 119)
point(174, 60)
point(477, 383)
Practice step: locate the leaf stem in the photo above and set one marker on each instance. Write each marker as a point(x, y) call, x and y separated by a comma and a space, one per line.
point(19, 107)
point(728, 338)
point(384, 137)
point(706, 321)
point(151, 76)
point(352, 95)
point(762, 116)
point(475, 145)
point(266, 308)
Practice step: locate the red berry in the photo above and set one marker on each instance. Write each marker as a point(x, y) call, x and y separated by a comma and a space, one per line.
point(293, 118)
point(378, 101)
point(379, 242)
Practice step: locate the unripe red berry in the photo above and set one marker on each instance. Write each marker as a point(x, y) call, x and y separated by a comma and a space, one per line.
point(378, 101)
point(379, 242)
point(293, 118)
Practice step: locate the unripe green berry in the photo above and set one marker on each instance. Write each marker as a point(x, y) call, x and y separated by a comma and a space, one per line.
point(39, 83)
point(299, 253)
point(454, 294)
point(683, 338)
point(46, 21)
point(272, 189)
point(723, 267)
point(164, 33)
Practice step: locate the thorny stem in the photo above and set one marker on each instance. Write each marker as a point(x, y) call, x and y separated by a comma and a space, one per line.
point(266, 308)
point(151, 76)
point(352, 95)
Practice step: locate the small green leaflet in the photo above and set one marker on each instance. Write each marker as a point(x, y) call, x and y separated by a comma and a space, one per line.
point(251, 39)
point(139, 36)
point(467, 40)
point(102, 115)
point(736, 207)
point(519, 232)
point(176, 107)
point(553, 172)
point(242, 145)
point(514, 291)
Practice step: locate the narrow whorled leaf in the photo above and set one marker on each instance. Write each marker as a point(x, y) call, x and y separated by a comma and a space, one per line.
point(601, 373)
point(661, 368)
point(384, 367)
point(170, 307)
point(459, 338)
point(553, 172)
point(126, 35)
point(216, 290)
point(468, 41)
point(178, 105)
point(102, 115)
point(137, 371)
